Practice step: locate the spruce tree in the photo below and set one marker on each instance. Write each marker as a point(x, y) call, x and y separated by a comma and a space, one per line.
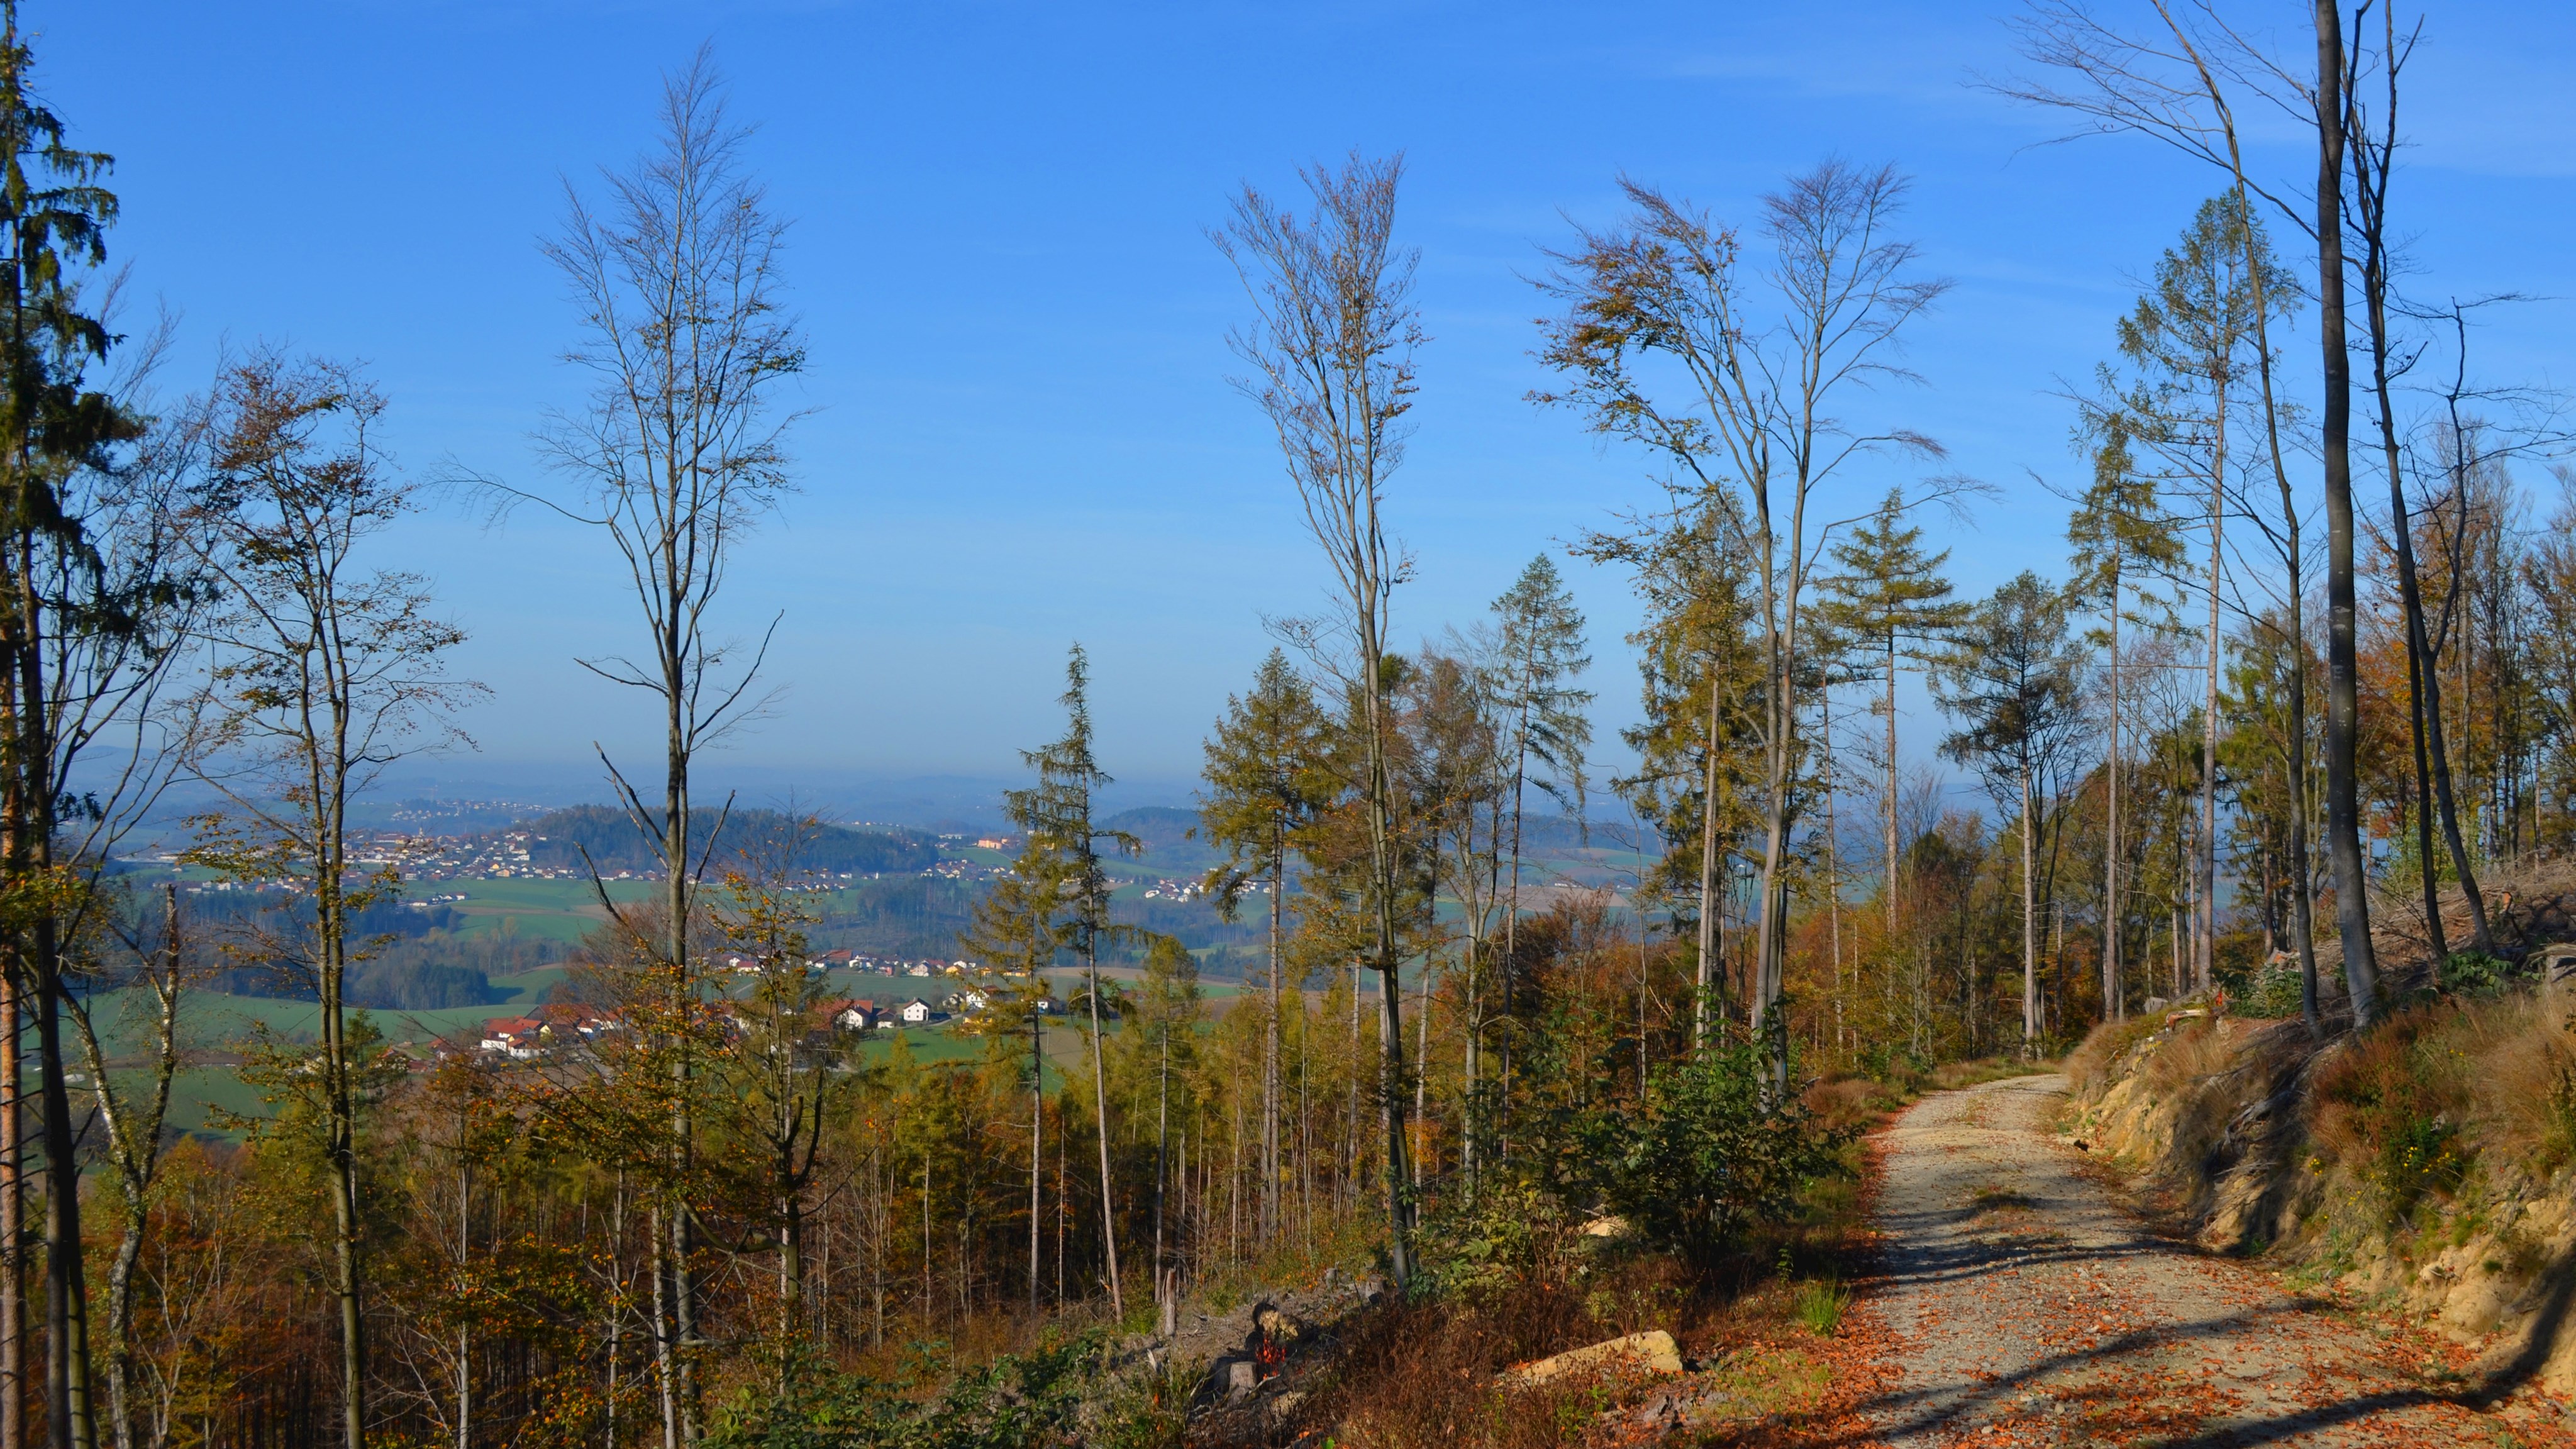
point(1266, 783)
point(2191, 340)
point(1889, 596)
point(69, 638)
point(2012, 676)
point(1015, 935)
point(1536, 654)
point(2123, 542)
point(1058, 810)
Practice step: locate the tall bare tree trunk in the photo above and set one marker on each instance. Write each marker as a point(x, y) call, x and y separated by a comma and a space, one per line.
point(1895, 861)
point(1270, 1053)
point(2113, 1006)
point(2205, 954)
point(2343, 673)
point(2029, 929)
point(13, 1214)
point(1100, 1105)
point(1709, 980)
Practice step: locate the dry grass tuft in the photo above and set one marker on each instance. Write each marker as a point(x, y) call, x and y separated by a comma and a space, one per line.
point(1851, 1103)
point(2089, 1066)
point(2526, 1074)
point(2391, 1105)
point(2186, 1061)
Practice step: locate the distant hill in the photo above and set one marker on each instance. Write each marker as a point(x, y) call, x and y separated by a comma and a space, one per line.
point(562, 838)
point(1165, 833)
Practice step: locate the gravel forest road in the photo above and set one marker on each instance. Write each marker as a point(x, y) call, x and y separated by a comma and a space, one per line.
point(2029, 1307)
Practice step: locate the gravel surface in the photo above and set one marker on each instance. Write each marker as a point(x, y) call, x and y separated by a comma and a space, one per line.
point(2029, 1307)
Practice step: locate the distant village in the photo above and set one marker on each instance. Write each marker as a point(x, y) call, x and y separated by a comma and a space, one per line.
point(563, 1027)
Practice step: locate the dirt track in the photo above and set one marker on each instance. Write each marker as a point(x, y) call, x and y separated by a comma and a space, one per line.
point(2029, 1307)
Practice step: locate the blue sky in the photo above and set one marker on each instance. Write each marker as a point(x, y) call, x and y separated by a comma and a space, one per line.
point(1021, 430)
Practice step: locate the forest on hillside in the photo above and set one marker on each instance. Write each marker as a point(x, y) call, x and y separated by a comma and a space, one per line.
point(601, 838)
point(2300, 673)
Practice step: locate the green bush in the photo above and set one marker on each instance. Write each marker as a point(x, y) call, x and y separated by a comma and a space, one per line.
point(1474, 1248)
point(1717, 1151)
point(2474, 974)
point(2271, 993)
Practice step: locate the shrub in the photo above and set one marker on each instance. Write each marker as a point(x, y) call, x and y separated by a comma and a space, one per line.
point(2089, 1065)
point(1476, 1249)
point(2474, 974)
point(2393, 1103)
point(2272, 993)
point(1716, 1152)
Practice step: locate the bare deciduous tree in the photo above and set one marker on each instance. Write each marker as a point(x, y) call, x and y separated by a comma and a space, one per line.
point(679, 452)
point(1331, 347)
point(1756, 413)
point(325, 672)
point(2179, 86)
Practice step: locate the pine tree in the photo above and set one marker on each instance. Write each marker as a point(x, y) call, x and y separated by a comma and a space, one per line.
point(1161, 1046)
point(2191, 339)
point(1699, 744)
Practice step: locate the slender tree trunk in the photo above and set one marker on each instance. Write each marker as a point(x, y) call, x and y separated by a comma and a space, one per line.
point(1708, 983)
point(666, 1379)
point(2432, 760)
point(2206, 865)
point(2343, 696)
point(1780, 708)
point(13, 1213)
point(1036, 1135)
point(2302, 902)
point(675, 845)
point(1895, 860)
point(1162, 1150)
point(2029, 930)
point(1381, 824)
point(1100, 1104)
point(1270, 1048)
point(2113, 1006)
point(1833, 869)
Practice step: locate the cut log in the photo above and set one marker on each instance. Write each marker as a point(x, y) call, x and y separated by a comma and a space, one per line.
point(1650, 1352)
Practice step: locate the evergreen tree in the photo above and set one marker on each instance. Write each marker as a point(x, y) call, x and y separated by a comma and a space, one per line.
point(2191, 339)
point(1890, 597)
point(1015, 936)
point(1160, 1053)
point(2013, 676)
point(1535, 656)
point(1266, 783)
point(1058, 810)
point(2123, 543)
point(1699, 743)
point(54, 214)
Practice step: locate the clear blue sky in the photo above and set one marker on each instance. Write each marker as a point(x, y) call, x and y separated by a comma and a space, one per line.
point(1023, 433)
